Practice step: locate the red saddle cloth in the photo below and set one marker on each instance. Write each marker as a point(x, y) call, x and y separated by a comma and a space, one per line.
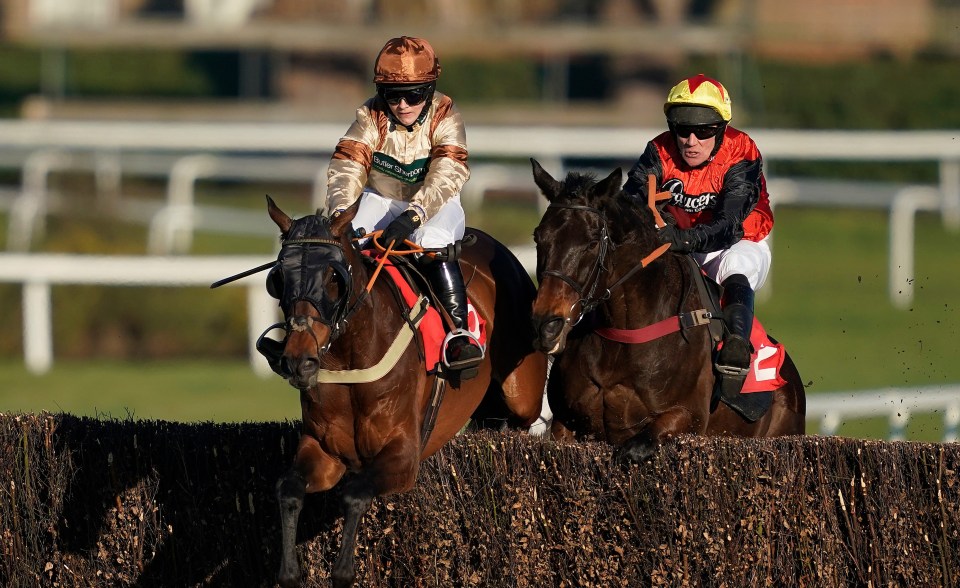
point(431, 327)
point(766, 361)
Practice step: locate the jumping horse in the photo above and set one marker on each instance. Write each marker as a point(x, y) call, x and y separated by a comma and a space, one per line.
point(369, 422)
point(601, 269)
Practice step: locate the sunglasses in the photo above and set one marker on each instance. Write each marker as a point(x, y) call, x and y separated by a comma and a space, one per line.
point(412, 96)
point(702, 132)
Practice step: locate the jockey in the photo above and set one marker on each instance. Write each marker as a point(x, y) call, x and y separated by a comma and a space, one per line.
point(405, 157)
point(720, 205)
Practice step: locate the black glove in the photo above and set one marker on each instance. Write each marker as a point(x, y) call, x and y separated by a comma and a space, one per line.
point(678, 239)
point(400, 228)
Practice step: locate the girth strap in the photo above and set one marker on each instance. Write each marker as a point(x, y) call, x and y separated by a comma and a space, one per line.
point(433, 409)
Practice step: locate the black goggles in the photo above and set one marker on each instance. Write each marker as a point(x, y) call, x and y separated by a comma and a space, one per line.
point(412, 96)
point(702, 132)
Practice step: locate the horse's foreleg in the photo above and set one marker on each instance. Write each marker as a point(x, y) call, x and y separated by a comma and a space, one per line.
point(394, 469)
point(290, 491)
point(560, 432)
point(356, 504)
point(313, 471)
point(523, 390)
point(643, 445)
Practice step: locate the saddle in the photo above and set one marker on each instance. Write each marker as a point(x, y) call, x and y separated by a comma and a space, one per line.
point(414, 290)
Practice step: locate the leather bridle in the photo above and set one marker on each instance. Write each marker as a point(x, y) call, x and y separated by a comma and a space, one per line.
point(587, 299)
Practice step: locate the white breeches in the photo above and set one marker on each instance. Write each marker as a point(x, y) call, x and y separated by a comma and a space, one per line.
point(750, 258)
point(440, 230)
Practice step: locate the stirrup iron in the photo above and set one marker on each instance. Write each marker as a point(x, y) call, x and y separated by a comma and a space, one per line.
point(460, 365)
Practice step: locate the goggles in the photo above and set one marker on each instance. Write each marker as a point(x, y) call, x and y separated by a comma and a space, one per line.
point(412, 96)
point(702, 132)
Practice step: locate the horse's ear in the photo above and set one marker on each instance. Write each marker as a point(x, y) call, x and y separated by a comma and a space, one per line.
point(611, 184)
point(549, 186)
point(342, 220)
point(280, 217)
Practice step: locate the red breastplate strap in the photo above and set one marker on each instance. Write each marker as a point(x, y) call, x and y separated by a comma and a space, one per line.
point(696, 318)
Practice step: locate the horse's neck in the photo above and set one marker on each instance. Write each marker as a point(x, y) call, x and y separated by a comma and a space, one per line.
point(378, 311)
point(650, 294)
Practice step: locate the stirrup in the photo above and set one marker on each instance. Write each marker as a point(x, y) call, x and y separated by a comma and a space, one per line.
point(465, 363)
point(734, 369)
point(731, 370)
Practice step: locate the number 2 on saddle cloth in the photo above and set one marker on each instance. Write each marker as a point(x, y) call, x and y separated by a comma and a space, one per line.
point(431, 326)
point(766, 361)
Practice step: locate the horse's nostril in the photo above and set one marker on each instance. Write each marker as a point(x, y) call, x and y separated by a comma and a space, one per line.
point(551, 329)
point(308, 367)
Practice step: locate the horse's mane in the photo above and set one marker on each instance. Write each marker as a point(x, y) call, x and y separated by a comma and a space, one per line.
point(627, 216)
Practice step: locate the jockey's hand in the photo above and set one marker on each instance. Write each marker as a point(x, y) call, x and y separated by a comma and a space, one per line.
point(678, 239)
point(400, 228)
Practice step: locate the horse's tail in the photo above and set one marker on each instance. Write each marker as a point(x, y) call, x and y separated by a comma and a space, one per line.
point(506, 265)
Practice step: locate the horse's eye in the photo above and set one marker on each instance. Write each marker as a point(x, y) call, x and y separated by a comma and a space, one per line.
point(332, 284)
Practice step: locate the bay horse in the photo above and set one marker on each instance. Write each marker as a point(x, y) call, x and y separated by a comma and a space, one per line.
point(599, 259)
point(367, 429)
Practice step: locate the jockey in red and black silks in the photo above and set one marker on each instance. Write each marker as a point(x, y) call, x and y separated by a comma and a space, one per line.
point(720, 206)
point(723, 201)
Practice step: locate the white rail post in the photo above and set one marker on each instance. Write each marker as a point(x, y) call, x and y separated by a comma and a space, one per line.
point(37, 327)
point(261, 313)
point(950, 187)
point(902, 217)
point(171, 230)
point(898, 423)
point(951, 420)
point(107, 177)
point(28, 216)
point(830, 423)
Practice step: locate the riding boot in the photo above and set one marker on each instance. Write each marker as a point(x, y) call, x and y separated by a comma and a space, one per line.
point(733, 361)
point(461, 351)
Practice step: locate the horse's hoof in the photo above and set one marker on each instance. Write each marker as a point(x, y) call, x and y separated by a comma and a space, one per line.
point(342, 581)
point(634, 453)
point(289, 581)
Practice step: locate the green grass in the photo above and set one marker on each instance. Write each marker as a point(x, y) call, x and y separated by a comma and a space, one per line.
point(184, 391)
point(831, 309)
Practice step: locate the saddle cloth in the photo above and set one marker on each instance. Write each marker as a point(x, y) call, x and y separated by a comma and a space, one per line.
point(431, 327)
point(766, 361)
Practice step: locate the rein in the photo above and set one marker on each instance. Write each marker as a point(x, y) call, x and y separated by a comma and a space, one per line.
point(589, 302)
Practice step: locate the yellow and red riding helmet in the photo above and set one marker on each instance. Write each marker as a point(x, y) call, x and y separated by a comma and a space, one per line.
point(698, 101)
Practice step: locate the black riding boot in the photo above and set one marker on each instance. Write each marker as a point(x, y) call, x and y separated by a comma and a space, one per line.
point(462, 351)
point(733, 361)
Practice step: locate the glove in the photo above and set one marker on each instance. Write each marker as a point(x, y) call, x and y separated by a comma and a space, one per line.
point(400, 228)
point(678, 239)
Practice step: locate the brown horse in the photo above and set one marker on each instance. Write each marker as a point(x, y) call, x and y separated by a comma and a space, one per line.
point(594, 262)
point(368, 429)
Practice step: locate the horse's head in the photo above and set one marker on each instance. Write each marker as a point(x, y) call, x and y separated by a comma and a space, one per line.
point(314, 283)
point(584, 223)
